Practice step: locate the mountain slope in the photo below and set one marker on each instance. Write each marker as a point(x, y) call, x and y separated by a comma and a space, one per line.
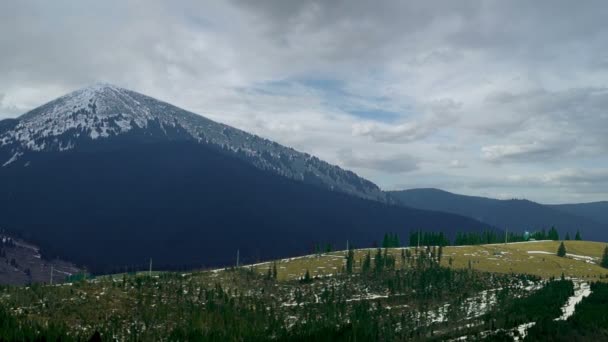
point(120, 196)
point(182, 203)
point(102, 111)
point(597, 211)
point(517, 215)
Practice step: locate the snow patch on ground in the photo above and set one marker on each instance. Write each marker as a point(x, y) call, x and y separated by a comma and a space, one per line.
point(523, 331)
point(581, 290)
point(540, 252)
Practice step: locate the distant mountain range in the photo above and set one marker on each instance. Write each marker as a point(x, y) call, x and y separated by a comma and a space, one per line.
point(108, 178)
point(597, 211)
point(515, 215)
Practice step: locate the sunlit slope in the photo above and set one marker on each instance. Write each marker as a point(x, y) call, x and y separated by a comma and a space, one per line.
point(537, 258)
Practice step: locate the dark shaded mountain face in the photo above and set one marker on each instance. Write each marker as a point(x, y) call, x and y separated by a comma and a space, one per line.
point(597, 211)
point(183, 203)
point(155, 191)
point(515, 215)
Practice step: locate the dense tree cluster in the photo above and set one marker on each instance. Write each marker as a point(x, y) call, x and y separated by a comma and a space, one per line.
point(419, 238)
point(553, 234)
point(589, 322)
point(391, 240)
point(545, 303)
point(425, 238)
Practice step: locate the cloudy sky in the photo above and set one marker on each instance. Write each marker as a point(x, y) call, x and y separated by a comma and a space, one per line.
point(505, 99)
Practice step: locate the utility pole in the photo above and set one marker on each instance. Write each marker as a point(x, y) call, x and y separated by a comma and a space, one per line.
point(237, 257)
point(150, 271)
point(52, 274)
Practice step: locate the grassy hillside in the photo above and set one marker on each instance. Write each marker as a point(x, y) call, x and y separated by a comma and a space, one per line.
point(536, 258)
point(413, 298)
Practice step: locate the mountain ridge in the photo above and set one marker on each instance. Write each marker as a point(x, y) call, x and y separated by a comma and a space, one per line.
point(513, 214)
point(102, 110)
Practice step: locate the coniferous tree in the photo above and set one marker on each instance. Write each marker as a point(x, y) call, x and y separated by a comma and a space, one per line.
point(578, 236)
point(274, 271)
point(553, 234)
point(605, 258)
point(307, 278)
point(567, 238)
point(367, 263)
point(378, 261)
point(561, 251)
point(350, 259)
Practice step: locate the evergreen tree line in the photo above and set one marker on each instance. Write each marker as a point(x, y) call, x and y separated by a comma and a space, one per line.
point(419, 238)
point(391, 240)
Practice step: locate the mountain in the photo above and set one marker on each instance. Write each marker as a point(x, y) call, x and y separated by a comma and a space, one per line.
point(109, 178)
point(516, 215)
point(597, 211)
point(102, 111)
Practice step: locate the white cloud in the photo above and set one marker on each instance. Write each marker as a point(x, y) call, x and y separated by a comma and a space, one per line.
point(402, 163)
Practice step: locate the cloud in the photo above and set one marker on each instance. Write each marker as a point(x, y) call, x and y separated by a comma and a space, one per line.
point(515, 87)
point(457, 164)
point(530, 152)
point(439, 114)
point(390, 164)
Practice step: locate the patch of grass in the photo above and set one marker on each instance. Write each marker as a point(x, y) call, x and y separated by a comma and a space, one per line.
point(500, 258)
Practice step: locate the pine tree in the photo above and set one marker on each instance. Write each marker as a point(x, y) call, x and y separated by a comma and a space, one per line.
point(561, 251)
point(269, 273)
point(350, 259)
point(567, 237)
point(578, 236)
point(378, 261)
point(307, 278)
point(553, 234)
point(367, 263)
point(605, 258)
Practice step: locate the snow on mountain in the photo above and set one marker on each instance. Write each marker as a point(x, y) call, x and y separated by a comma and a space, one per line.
point(104, 111)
